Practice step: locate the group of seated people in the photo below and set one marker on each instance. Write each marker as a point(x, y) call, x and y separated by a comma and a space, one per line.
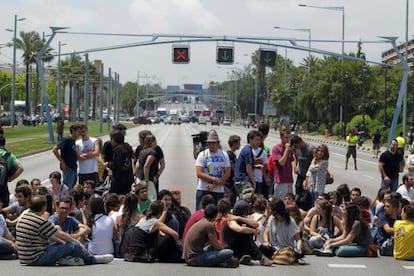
point(81, 227)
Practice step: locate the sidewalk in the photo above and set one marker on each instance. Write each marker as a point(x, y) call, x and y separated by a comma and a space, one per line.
point(333, 140)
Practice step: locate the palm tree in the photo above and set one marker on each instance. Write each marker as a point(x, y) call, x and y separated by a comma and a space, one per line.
point(29, 43)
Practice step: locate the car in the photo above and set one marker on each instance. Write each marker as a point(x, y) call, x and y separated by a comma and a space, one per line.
point(185, 119)
point(215, 121)
point(202, 120)
point(226, 123)
point(142, 120)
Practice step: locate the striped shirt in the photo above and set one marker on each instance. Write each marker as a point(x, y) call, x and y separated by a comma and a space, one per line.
point(32, 237)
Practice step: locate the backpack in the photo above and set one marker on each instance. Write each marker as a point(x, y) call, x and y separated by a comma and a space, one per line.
point(270, 165)
point(3, 168)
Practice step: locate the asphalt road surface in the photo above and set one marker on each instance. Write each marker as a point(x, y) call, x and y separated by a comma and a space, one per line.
point(176, 143)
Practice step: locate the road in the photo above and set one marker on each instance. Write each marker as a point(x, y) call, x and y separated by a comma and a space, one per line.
point(176, 142)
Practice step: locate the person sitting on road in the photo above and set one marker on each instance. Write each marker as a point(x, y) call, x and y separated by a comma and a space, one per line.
point(355, 236)
point(144, 243)
point(8, 248)
point(364, 208)
point(355, 193)
point(16, 209)
point(53, 245)
point(260, 206)
point(385, 226)
point(181, 212)
point(196, 253)
point(56, 188)
point(407, 189)
point(199, 214)
point(404, 235)
point(170, 219)
point(69, 224)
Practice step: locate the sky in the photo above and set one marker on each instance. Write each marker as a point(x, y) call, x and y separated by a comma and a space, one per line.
point(364, 20)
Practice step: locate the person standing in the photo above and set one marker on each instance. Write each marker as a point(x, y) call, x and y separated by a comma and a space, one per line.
point(316, 175)
point(229, 188)
point(88, 152)
point(107, 148)
point(60, 126)
point(282, 155)
point(303, 158)
point(389, 166)
point(245, 163)
point(65, 151)
point(401, 147)
point(212, 169)
point(376, 144)
point(13, 168)
point(352, 140)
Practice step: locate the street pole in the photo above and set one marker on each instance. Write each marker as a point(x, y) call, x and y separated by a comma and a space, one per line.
point(59, 77)
point(101, 95)
point(86, 92)
point(108, 103)
point(13, 94)
point(137, 100)
point(406, 59)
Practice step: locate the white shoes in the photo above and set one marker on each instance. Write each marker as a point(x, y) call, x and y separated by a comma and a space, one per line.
point(71, 261)
point(103, 259)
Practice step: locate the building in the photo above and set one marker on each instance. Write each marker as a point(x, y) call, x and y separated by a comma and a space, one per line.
point(390, 56)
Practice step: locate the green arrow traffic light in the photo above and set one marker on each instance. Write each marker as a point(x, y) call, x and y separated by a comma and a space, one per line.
point(225, 55)
point(267, 58)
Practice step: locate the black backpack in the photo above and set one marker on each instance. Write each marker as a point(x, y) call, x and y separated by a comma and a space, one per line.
point(3, 168)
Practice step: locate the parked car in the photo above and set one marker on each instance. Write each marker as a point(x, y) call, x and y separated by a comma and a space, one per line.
point(202, 120)
point(226, 123)
point(142, 120)
point(215, 121)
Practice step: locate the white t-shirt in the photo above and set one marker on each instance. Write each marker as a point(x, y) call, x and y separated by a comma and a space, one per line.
point(259, 238)
point(146, 224)
point(281, 234)
point(102, 230)
point(258, 173)
point(89, 165)
point(407, 194)
point(213, 164)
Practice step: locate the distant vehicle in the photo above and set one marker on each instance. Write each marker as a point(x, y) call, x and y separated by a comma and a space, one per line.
point(215, 121)
point(162, 112)
point(206, 113)
point(202, 120)
point(142, 120)
point(185, 119)
point(175, 121)
point(219, 114)
point(226, 123)
point(154, 120)
point(167, 120)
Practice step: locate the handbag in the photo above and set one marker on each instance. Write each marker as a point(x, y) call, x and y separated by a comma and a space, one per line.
point(329, 178)
point(372, 250)
point(284, 256)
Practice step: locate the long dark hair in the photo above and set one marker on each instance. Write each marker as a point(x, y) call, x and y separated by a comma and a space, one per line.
point(352, 215)
point(277, 206)
point(156, 208)
point(96, 206)
point(327, 207)
point(130, 206)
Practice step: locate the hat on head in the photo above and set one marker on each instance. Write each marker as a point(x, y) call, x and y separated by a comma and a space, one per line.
point(213, 137)
point(241, 208)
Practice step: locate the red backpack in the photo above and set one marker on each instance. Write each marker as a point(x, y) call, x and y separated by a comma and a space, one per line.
point(270, 165)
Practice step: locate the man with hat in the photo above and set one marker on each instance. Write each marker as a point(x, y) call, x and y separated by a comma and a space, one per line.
point(212, 169)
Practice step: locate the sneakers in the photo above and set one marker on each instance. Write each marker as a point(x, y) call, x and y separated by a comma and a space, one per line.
point(266, 261)
point(71, 261)
point(323, 253)
point(231, 263)
point(245, 260)
point(103, 259)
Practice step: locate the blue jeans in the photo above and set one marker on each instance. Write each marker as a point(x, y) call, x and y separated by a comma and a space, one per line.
point(211, 257)
point(70, 178)
point(351, 251)
point(201, 193)
point(299, 184)
point(392, 186)
point(6, 248)
point(54, 252)
point(315, 242)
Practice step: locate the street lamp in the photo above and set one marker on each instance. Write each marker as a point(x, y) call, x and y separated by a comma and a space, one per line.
point(347, 78)
point(364, 76)
point(308, 30)
point(338, 8)
point(59, 76)
point(13, 95)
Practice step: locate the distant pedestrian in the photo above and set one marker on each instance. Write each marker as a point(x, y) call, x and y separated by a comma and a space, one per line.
point(352, 140)
point(60, 126)
point(376, 144)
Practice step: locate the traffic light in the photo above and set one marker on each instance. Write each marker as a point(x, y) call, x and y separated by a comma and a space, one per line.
point(225, 55)
point(267, 58)
point(181, 54)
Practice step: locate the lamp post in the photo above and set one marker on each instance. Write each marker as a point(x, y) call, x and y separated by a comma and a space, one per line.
point(308, 30)
point(347, 77)
point(406, 59)
point(385, 97)
point(13, 94)
point(59, 77)
point(364, 77)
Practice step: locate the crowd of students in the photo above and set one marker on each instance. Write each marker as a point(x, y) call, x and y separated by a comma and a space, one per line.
point(239, 218)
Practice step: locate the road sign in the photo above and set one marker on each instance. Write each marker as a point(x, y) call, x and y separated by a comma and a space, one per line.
point(267, 58)
point(181, 54)
point(225, 55)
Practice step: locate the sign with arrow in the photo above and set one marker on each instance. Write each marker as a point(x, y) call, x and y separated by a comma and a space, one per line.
point(225, 55)
point(267, 58)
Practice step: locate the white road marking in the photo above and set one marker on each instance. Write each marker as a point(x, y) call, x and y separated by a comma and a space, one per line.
point(347, 266)
point(408, 267)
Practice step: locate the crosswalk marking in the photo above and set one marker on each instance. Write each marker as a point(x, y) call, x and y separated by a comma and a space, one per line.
point(408, 267)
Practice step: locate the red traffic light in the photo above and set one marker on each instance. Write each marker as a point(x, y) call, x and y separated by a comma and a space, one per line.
point(181, 54)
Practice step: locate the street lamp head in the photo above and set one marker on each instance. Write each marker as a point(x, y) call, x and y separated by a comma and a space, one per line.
point(21, 19)
point(302, 5)
point(9, 30)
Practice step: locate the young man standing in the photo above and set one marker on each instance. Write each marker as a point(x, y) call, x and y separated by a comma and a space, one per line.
point(88, 152)
point(65, 151)
point(389, 167)
point(282, 155)
point(212, 169)
point(352, 140)
point(303, 158)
